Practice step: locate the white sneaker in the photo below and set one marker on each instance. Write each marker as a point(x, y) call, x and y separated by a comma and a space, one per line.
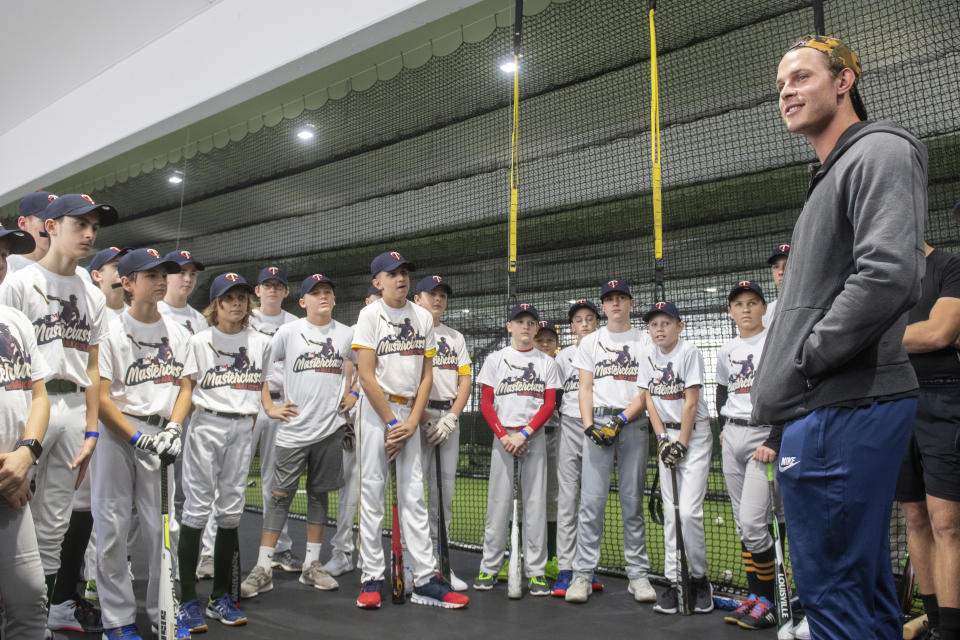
point(802, 630)
point(315, 576)
point(259, 581)
point(456, 583)
point(407, 581)
point(642, 590)
point(338, 564)
point(205, 568)
point(579, 589)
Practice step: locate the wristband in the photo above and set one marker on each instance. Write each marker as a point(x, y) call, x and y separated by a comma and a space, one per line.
point(354, 393)
point(135, 437)
point(91, 434)
point(392, 422)
point(661, 436)
point(622, 417)
point(524, 434)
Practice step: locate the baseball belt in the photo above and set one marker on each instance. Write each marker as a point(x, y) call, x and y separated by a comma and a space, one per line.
point(62, 386)
point(741, 423)
point(440, 405)
point(154, 420)
point(397, 399)
point(275, 395)
point(606, 412)
point(671, 425)
point(225, 414)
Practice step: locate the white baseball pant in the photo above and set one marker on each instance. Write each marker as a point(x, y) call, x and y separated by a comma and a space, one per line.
point(449, 458)
point(692, 474)
point(569, 457)
point(347, 499)
point(23, 594)
point(748, 487)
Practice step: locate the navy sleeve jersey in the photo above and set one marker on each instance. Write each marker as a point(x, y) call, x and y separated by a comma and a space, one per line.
point(941, 280)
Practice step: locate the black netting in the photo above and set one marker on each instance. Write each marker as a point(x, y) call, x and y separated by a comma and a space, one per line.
point(420, 164)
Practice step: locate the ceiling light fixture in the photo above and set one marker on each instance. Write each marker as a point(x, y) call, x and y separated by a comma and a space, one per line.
point(176, 177)
point(508, 67)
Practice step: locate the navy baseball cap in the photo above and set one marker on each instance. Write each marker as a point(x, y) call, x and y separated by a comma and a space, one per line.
point(105, 256)
point(226, 281)
point(373, 291)
point(309, 283)
point(781, 250)
point(182, 257)
point(433, 282)
point(667, 308)
point(272, 273)
point(521, 309)
point(144, 260)
point(745, 285)
point(581, 304)
point(36, 203)
point(548, 326)
point(20, 241)
point(615, 285)
point(77, 204)
point(389, 261)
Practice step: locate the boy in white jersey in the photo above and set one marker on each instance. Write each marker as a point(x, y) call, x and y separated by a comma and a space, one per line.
point(395, 343)
point(145, 369)
point(778, 266)
point(584, 318)
point(670, 379)
point(179, 287)
point(271, 290)
point(448, 396)
point(518, 395)
point(547, 341)
point(747, 448)
point(68, 316)
point(608, 361)
point(31, 220)
point(25, 409)
point(232, 363)
point(341, 556)
point(315, 359)
point(103, 272)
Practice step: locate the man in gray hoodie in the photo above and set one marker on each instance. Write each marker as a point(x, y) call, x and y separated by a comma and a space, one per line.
point(834, 371)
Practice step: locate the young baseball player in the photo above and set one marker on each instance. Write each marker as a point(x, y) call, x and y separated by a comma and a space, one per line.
point(518, 395)
point(68, 316)
point(608, 361)
point(747, 448)
point(103, 272)
point(179, 287)
point(584, 318)
point(547, 341)
point(26, 410)
point(448, 396)
point(271, 291)
point(395, 343)
point(145, 388)
point(316, 360)
point(670, 378)
point(778, 265)
point(31, 220)
point(231, 360)
point(342, 543)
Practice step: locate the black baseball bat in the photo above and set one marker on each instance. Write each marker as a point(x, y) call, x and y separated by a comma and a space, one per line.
point(684, 604)
point(442, 543)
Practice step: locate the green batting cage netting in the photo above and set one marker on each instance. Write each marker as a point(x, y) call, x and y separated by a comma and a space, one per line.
point(420, 162)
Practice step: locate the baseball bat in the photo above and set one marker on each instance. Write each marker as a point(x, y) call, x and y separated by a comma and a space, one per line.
point(655, 505)
point(783, 610)
point(235, 577)
point(167, 605)
point(442, 543)
point(906, 587)
point(396, 546)
point(915, 629)
point(684, 604)
point(513, 578)
point(42, 294)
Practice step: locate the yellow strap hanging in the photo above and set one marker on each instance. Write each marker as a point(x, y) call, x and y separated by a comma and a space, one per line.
point(655, 142)
point(514, 160)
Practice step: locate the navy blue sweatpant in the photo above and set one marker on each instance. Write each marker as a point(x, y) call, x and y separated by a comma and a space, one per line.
point(838, 470)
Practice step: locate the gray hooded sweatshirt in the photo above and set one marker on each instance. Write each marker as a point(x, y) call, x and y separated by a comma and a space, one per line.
point(856, 261)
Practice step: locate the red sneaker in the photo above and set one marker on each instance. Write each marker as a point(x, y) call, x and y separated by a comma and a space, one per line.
point(369, 597)
point(437, 593)
point(595, 583)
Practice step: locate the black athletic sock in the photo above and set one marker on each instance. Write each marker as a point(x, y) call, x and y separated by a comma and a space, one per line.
point(50, 579)
point(188, 551)
point(764, 563)
point(751, 571)
point(223, 546)
point(71, 556)
point(932, 609)
point(949, 623)
point(551, 539)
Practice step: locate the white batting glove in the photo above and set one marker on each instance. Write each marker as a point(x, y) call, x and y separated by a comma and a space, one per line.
point(144, 442)
point(167, 443)
point(442, 429)
point(428, 427)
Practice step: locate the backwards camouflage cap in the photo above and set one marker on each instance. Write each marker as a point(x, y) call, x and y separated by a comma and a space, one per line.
point(835, 49)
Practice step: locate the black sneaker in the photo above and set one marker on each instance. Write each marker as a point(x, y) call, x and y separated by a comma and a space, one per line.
point(760, 617)
point(702, 595)
point(734, 616)
point(667, 601)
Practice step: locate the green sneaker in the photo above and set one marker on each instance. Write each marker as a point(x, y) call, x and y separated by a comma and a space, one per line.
point(90, 591)
point(553, 568)
point(504, 571)
point(538, 586)
point(484, 581)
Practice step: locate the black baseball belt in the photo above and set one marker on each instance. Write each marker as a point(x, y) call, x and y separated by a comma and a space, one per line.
point(225, 414)
point(62, 386)
point(741, 423)
point(440, 405)
point(154, 420)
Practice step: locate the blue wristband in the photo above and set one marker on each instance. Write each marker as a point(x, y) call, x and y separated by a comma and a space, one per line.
point(392, 422)
point(622, 417)
point(354, 393)
point(135, 437)
point(661, 436)
point(524, 434)
point(91, 434)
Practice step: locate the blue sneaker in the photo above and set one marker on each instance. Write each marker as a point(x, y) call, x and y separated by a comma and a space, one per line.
point(225, 611)
point(126, 632)
point(562, 582)
point(192, 616)
point(181, 630)
point(437, 593)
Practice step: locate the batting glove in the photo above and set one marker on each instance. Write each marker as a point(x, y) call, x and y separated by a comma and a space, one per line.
point(144, 442)
point(442, 429)
point(349, 437)
point(674, 454)
point(167, 443)
point(663, 444)
point(597, 436)
point(611, 430)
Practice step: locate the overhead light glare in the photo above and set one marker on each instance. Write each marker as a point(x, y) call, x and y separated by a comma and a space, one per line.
point(305, 134)
point(508, 67)
point(174, 179)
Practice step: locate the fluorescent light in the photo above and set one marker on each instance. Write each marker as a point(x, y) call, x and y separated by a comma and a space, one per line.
point(508, 67)
point(174, 179)
point(711, 290)
point(305, 134)
point(466, 310)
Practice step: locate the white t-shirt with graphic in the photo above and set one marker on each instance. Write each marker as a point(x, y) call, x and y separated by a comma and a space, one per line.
point(114, 313)
point(570, 402)
point(310, 360)
point(20, 366)
point(768, 316)
point(669, 375)
point(519, 380)
point(230, 371)
point(451, 362)
point(188, 317)
point(737, 361)
point(614, 359)
point(401, 338)
point(145, 363)
point(268, 326)
point(67, 314)
point(16, 262)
